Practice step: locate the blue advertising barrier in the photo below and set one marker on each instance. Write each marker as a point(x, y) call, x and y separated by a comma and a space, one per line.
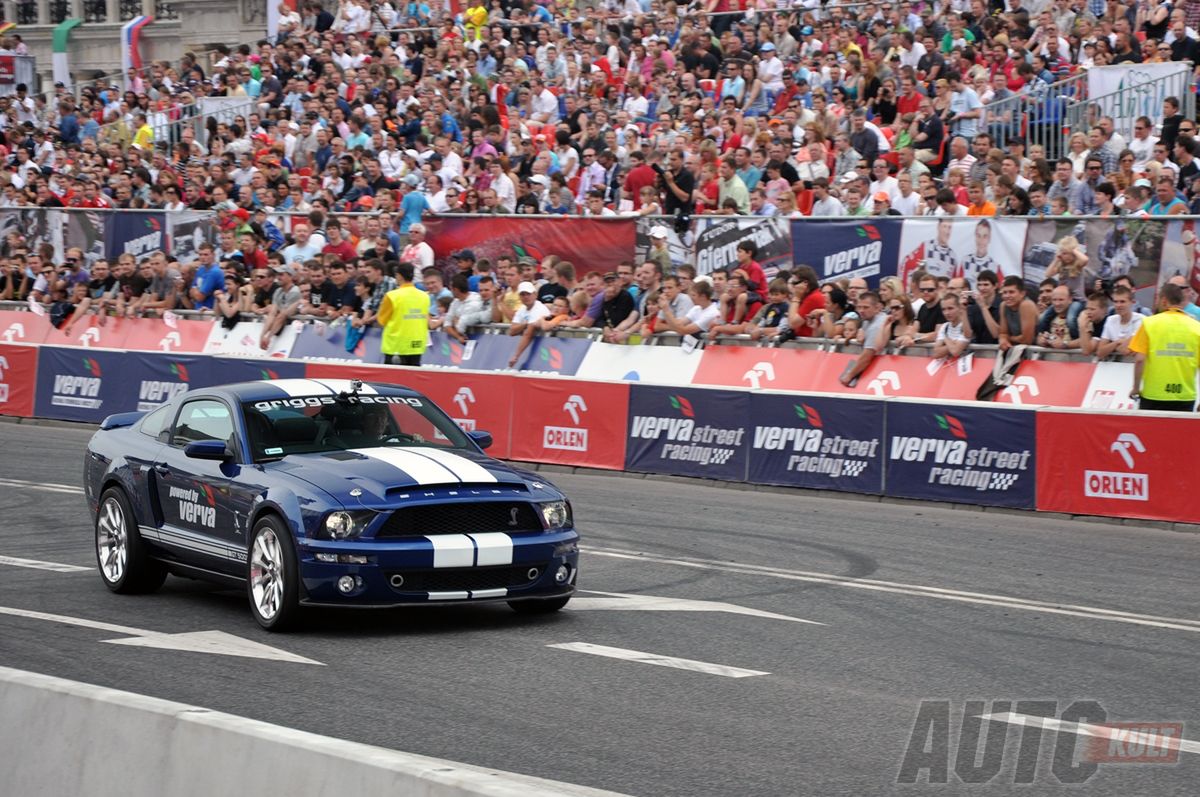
point(688, 432)
point(848, 247)
point(137, 234)
point(83, 384)
point(328, 342)
point(227, 370)
point(816, 442)
point(960, 453)
point(555, 355)
point(161, 377)
point(480, 353)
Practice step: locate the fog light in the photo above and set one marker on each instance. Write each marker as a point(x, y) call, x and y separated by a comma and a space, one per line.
point(351, 559)
point(326, 557)
point(562, 574)
point(345, 584)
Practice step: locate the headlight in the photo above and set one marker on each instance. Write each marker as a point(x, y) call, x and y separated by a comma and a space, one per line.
point(342, 525)
point(556, 514)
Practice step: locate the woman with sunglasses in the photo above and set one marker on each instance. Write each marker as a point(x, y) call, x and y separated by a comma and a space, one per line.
point(900, 323)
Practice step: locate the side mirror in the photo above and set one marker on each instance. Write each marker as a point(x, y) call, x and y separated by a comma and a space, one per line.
point(482, 439)
point(208, 449)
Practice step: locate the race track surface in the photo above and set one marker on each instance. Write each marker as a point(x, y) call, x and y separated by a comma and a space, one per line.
point(904, 603)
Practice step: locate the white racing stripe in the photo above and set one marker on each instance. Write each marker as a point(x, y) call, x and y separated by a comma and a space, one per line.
point(22, 484)
point(420, 469)
point(34, 564)
point(452, 550)
point(343, 386)
point(495, 548)
point(298, 388)
point(915, 590)
point(448, 596)
point(658, 661)
point(466, 470)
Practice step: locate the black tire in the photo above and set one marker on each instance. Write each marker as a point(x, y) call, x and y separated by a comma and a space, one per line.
point(117, 535)
point(283, 571)
point(546, 606)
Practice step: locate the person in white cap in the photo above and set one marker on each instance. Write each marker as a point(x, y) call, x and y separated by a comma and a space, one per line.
point(660, 250)
point(770, 71)
point(525, 319)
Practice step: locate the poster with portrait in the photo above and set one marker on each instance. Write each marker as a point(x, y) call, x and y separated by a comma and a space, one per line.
point(962, 247)
point(32, 228)
point(1180, 257)
point(717, 238)
point(680, 243)
point(189, 229)
point(1114, 248)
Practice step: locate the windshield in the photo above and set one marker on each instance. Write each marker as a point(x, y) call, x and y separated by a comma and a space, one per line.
point(317, 424)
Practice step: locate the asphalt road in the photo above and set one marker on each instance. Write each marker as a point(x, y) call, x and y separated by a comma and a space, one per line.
point(833, 715)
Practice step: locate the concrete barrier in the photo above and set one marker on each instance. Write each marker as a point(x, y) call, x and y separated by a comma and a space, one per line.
point(60, 737)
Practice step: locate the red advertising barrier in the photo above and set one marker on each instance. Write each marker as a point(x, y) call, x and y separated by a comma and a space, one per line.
point(773, 369)
point(89, 334)
point(569, 422)
point(1125, 465)
point(1054, 384)
point(476, 401)
point(17, 326)
point(18, 379)
point(154, 334)
point(911, 377)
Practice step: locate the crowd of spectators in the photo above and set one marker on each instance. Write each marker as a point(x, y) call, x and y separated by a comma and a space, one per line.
point(364, 118)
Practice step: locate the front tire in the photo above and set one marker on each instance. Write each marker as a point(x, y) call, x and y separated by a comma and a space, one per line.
point(121, 557)
point(549, 606)
point(273, 576)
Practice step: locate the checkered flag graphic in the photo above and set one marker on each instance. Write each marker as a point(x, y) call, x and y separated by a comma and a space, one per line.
point(1002, 481)
point(853, 469)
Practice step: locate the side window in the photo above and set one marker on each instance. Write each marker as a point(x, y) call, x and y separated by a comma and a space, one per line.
point(154, 423)
point(202, 420)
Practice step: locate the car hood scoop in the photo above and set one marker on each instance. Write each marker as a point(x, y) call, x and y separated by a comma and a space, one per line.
point(382, 473)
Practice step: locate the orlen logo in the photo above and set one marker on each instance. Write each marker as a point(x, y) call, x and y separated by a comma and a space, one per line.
point(568, 438)
point(1115, 484)
point(464, 399)
point(760, 372)
point(148, 241)
point(78, 391)
point(153, 392)
point(15, 332)
point(3, 386)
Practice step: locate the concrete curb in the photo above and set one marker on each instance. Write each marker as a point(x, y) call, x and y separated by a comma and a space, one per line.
point(65, 737)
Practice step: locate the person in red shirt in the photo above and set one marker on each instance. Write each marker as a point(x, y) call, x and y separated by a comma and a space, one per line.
point(756, 278)
point(909, 100)
point(338, 245)
point(737, 303)
point(641, 175)
point(806, 298)
point(252, 257)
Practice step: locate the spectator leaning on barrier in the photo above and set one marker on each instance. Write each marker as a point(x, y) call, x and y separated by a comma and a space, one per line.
point(869, 310)
point(1018, 314)
point(1167, 350)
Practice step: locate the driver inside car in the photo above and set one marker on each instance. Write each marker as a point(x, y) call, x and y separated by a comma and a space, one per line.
point(370, 426)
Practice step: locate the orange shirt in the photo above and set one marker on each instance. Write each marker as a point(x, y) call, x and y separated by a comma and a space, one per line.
point(986, 209)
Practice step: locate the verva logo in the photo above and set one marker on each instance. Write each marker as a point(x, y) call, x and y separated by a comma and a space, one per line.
point(956, 463)
point(1119, 485)
point(79, 391)
point(154, 392)
point(452, 350)
point(813, 450)
point(551, 357)
point(568, 438)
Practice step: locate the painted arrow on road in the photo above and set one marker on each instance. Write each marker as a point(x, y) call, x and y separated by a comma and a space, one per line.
point(620, 601)
point(216, 642)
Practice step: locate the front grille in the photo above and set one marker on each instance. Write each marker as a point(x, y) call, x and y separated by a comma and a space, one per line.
point(461, 518)
point(458, 579)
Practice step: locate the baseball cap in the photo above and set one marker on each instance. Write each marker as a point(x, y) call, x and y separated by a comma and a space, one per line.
point(526, 287)
point(465, 254)
point(882, 196)
point(412, 180)
point(242, 214)
point(540, 179)
point(766, 47)
point(611, 276)
point(1142, 183)
point(284, 269)
point(658, 231)
point(849, 177)
point(526, 260)
point(806, 30)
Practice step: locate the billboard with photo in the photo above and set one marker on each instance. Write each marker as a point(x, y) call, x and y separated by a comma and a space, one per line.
point(962, 247)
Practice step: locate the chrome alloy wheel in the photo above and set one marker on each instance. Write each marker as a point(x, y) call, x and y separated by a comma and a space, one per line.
point(112, 540)
point(266, 574)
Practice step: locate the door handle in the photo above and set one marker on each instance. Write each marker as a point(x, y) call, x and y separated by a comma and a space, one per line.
point(162, 470)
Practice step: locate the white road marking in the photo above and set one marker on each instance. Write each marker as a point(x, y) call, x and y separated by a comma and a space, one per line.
point(620, 601)
point(34, 564)
point(217, 642)
point(914, 590)
point(46, 486)
point(657, 660)
point(1085, 729)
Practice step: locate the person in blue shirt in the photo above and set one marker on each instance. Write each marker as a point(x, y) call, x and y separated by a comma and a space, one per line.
point(208, 280)
point(414, 203)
